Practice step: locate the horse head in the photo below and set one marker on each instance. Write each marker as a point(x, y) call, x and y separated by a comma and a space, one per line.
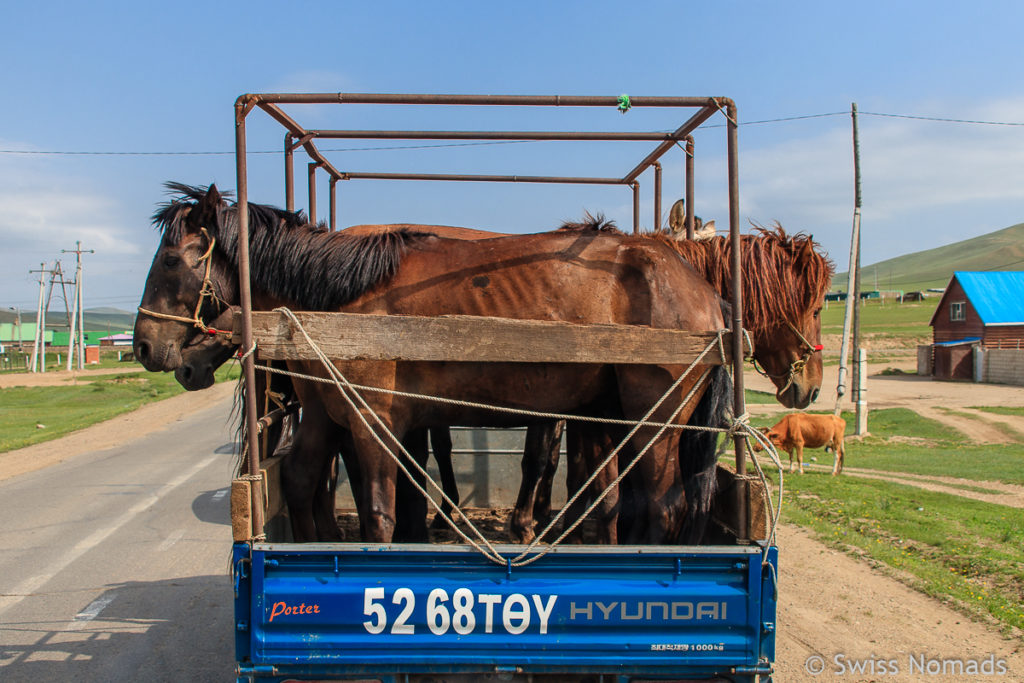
point(788, 348)
point(190, 285)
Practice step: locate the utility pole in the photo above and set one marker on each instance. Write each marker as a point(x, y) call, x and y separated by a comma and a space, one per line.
point(78, 251)
point(852, 316)
point(39, 315)
point(17, 326)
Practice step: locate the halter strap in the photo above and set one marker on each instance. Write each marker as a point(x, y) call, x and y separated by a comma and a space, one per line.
point(797, 366)
point(205, 291)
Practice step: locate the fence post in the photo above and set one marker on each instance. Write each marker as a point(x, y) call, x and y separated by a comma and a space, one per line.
point(862, 390)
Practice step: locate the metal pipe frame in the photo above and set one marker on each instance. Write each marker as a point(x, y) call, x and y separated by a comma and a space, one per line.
point(297, 136)
point(690, 212)
point(657, 196)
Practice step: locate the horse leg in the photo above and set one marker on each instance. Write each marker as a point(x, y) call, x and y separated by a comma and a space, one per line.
point(324, 504)
point(411, 506)
point(799, 450)
point(535, 465)
point(303, 471)
point(658, 469)
point(587, 448)
point(552, 448)
point(441, 445)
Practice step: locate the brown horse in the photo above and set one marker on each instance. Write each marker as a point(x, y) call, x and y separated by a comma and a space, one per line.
point(586, 278)
point(785, 279)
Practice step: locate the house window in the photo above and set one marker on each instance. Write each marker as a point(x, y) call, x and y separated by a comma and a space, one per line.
point(957, 311)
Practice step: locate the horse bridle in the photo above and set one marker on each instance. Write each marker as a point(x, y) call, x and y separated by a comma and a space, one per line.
point(797, 366)
point(206, 291)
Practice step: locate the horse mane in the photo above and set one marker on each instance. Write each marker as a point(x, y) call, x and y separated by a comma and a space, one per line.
point(784, 289)
point(291, 258)
point(783, 275)
point(591, 223)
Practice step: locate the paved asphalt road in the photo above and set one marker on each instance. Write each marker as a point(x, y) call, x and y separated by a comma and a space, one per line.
point(114, 564)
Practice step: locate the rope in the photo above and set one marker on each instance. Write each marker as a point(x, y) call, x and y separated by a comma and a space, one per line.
point(350, 392)
point(350, 397)
point(206, 291)
point(519, 561)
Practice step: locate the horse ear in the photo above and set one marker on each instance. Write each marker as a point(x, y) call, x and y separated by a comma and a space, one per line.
point(205, 213)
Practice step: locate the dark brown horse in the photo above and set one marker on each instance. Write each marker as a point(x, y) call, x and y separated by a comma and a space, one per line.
point(586, 278)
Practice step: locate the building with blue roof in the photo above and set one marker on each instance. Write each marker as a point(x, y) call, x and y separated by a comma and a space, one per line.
point(978, 309)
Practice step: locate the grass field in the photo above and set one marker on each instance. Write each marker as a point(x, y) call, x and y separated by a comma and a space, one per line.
point(902, 441)
point(965, 552)
point(888, 320)
point(64, 409)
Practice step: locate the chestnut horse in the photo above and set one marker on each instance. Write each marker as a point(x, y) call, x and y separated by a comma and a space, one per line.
point(584, 278)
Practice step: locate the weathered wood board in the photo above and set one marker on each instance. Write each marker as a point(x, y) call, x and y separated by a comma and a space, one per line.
point(355, 336)
point(247, 493)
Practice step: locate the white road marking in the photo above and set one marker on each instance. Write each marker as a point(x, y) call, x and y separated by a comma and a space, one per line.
point(170, 540)
point(219, 495)
point(26, 588)
point(90, 612)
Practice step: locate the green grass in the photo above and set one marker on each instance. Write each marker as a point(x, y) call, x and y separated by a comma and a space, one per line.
point(64, 409)
point(1001, 410)
point(888, 320)
point(963, 551)
point(903, 441)
point(758, 397)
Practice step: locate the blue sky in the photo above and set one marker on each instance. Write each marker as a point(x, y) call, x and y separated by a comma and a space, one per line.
point(148, 77)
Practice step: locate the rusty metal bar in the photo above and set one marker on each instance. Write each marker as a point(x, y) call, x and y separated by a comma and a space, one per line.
point(245, 294)
point(275, 113)
point(636, 208)
point(657, 196)
point(739, 405)
point(334, 203)
point(278, 414)
point(653, 136)
point(474, 100)
point(311, 179)
point(700, 117)
point(289, 171)
point(689, 188)
point(354, 175)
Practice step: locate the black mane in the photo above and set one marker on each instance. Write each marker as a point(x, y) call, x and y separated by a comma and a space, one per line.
point(290, 258)
point(591, 223)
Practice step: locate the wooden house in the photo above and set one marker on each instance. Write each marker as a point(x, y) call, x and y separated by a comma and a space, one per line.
point(983, 309)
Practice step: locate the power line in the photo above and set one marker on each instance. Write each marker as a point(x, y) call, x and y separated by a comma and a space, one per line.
point(499, 142)
point(943, 120)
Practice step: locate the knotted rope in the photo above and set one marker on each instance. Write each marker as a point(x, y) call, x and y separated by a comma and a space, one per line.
point(350, 392)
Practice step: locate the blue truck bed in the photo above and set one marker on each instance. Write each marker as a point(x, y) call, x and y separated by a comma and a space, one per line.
point(398, 613)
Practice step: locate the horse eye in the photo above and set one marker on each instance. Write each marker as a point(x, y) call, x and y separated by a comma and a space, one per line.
point(171, 260)
point(817, 313)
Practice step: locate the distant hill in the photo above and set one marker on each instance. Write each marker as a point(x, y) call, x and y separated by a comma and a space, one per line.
point(1000, 250)
point(96, 319)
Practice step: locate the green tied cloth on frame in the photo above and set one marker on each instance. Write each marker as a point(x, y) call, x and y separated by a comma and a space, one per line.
point(624, 104)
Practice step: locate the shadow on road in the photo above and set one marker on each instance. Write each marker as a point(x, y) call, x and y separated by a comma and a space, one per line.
point(212, 506)
point(172, 630)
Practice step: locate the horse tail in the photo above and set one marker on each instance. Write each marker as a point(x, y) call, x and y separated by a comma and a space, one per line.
point(698, 455)
point(241, 432)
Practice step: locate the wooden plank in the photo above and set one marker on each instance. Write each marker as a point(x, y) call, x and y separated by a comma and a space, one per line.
point(245, 494)
point(723, 508)
point(241, 510)
point(355, 336)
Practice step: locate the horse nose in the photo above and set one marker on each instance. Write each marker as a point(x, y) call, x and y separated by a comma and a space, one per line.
point(814, 395)
point(143, 351)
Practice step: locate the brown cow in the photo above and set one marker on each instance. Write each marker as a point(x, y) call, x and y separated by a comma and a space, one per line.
point(797, 430)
